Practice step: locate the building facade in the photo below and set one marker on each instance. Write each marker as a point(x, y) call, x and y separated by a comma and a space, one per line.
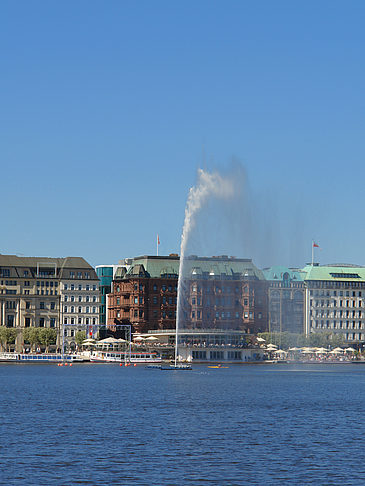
point(286, 299)
point(335, 300)
point(32, 294)
point(216, 293)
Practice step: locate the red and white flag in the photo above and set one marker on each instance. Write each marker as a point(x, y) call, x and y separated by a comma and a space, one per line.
point(315, 245)
point(158, 240)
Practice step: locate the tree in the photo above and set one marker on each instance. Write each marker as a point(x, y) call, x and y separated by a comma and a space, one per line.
point(32, 336)
point(47, 336)
point(80, 337)
point(7, 337)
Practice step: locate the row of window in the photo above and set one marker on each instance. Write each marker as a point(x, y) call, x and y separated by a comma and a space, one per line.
point(85, 298)
point(216, 289)
point(80, 310)
point(42, 322)
point(71, 321)
point(338, 325)
point(44, 292)
point(79, 274)
point(336, 285)
point(341, 303)
point(43, 283)
point(79, 287)
point(337, 314)
point(341, 293)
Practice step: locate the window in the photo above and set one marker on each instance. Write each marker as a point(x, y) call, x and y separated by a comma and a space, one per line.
point(41, 322)
point(72, 286)
point(27, 322)
point(87, 287)
point(27, 305)
point(52, 322)
point(79, 274)
point(65, 308)
point(72, 274)
point(80, 298)
point(94, 287)
point(94, 310)
point(87, 310)
point(80, 310)
point(118, 301)
point(41, 305)
point(80, 287)
point(155, 299)
point(72, 309)
point(65, 286)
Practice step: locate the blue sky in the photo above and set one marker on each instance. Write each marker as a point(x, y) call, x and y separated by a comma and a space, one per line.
point(107, 109)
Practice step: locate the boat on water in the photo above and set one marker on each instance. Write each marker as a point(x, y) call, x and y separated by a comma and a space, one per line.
point(39, 358)
point(170, 367)
point(125, 357)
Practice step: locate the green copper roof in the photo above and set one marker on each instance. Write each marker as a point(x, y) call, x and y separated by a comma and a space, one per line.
point(278, 273)
point(335, 273)
point(220, 266)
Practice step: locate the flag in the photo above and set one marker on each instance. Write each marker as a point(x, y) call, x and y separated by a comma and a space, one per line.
point(315, 245)
point(158, 240)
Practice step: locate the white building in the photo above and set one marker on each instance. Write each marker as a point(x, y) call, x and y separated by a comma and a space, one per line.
point(80, 300)
point(335, 297)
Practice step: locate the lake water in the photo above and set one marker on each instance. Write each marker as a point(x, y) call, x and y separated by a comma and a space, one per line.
point(100, 424)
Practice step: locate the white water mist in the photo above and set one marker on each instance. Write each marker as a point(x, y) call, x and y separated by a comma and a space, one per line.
point(209, 185)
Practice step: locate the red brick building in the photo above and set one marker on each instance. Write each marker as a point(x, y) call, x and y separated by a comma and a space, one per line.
point(218, 293)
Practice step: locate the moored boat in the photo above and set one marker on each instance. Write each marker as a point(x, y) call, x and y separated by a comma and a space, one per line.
point(125, 356)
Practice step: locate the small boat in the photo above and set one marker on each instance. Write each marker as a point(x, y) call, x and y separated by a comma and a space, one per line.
point(218, 366)
point(124, 357)
point(178, 367)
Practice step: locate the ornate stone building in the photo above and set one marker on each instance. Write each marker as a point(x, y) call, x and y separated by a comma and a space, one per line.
point(216, 293)
point(286, 299)
point(59, 293)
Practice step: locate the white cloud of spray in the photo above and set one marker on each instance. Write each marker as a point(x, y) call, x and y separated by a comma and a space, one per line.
point(210, 185)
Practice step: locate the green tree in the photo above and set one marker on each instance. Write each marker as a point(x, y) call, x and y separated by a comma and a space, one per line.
point(47, 336)
point(2, 337)
point(80, 336)
point(32, 336)
point(7, 337)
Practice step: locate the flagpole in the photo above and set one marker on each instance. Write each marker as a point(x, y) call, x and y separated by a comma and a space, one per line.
point(157, 245)
point(312, 252)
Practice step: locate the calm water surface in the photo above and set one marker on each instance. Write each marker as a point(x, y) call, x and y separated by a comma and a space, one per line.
point(256, 425)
